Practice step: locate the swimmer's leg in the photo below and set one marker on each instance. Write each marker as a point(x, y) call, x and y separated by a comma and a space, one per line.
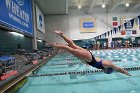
point(81, 54)
point(116, 68)
point(68, 40)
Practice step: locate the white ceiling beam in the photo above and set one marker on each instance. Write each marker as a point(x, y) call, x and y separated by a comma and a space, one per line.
point(92, 6)
point(116, 4)
point(135, 7)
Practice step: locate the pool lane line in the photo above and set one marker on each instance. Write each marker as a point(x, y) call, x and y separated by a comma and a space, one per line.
point(81, 72)
point(64, 59)
point(65, 64)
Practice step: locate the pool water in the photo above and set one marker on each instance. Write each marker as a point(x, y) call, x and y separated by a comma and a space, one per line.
point(86, 83)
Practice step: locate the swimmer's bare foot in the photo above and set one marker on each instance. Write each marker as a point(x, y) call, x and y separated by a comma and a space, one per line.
point(60, 33)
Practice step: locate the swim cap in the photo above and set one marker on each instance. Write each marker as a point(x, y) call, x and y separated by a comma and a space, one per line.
point(108, 70)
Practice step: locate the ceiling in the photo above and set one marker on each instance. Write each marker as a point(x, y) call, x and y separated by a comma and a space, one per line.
point(62, 6)
point(53, 6)
point(111, 5)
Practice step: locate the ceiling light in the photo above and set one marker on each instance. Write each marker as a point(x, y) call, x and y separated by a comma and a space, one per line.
point(17, 34)
point(127, 4)
point(103, 5)
point(79, 6)
point(39, 40)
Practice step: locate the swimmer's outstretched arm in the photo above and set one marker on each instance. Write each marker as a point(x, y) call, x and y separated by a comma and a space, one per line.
point(116, 68)
point(121, 70)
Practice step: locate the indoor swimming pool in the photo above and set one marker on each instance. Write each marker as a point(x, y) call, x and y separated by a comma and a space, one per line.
point(96, 82)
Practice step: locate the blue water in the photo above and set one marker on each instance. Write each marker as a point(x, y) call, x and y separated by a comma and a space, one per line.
point(86, 83)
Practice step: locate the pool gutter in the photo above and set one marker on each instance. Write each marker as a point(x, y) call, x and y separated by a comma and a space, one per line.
point(22, 75)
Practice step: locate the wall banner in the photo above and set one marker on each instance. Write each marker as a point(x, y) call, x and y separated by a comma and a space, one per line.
point(17, 14)
point(40, 20)
point(87, 25)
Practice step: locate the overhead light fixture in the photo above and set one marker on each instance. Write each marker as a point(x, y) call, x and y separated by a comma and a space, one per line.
point(127, 4)
point(17, 34)
point(79, 6)
point(103, 5)
point(39, 40)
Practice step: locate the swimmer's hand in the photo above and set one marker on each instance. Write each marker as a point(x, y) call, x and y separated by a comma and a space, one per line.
point(128, 74)
point(59, 32)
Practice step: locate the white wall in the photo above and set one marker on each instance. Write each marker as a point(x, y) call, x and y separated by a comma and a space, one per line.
point(103, 19)
point(74, 17)
point(70, 23)
point(56, 22)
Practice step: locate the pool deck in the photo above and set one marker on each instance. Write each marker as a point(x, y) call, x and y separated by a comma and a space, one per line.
point(22, 72)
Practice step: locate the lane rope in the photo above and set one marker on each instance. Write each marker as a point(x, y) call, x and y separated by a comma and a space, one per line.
point(82, 72)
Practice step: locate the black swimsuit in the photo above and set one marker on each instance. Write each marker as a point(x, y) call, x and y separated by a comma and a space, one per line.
point(94, 63)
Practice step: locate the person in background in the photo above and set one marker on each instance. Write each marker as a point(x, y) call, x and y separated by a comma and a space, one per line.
point(98, 45)
point(105, 45)
point(139, 42)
